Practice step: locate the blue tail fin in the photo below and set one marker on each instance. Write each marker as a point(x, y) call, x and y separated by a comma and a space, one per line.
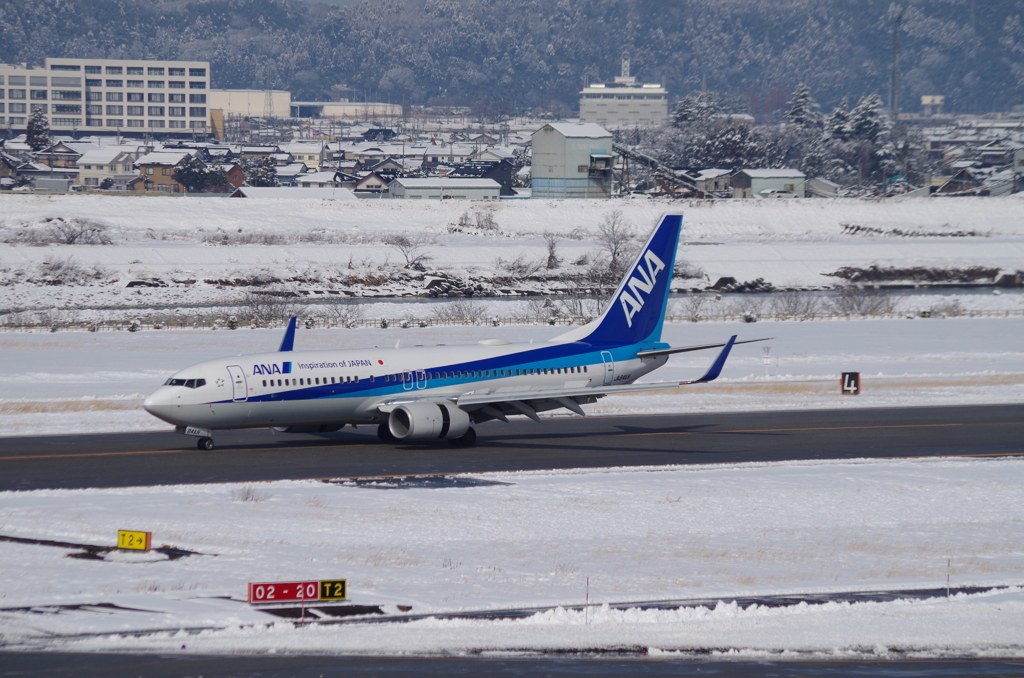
point(637, 310)
point(288, 343)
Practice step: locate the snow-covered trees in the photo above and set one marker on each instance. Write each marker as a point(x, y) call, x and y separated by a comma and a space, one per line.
point(837, 123)
point(197, 177)
point(868, 120)
point(190, 173)
point(695, 109)
point(259, 171)
point(38, 134)
point(803, 109)
point(847, 146)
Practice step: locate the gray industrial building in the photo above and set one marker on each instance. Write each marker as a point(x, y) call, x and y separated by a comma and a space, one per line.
point(572, 160)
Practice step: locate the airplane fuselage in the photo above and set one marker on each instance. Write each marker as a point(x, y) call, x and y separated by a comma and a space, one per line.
point(304, 388)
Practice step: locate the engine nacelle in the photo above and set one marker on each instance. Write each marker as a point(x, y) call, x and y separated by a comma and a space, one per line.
point(428, 420)
point(310, 428)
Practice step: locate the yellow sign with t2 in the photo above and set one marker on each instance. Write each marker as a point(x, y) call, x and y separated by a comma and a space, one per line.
point(333, 590)
point(135, 541)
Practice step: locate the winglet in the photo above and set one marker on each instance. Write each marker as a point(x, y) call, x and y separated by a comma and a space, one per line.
point(288, 343)
point(716, 367)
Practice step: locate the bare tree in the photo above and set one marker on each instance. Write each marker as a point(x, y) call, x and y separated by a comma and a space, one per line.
point(795, 303)
point(695, 305)
point(411, 248)
point(551, 240)
point(342, 311)
point(616, 237)
point(582, 299)
point(520, 267)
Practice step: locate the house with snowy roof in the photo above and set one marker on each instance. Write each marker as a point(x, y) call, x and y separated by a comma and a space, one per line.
point(59, 154)
point(709, 180)
point(760, 183)
point(318, 180)
point(499, 170)
point(99, 164)
point(156, 171)
point(444, 189)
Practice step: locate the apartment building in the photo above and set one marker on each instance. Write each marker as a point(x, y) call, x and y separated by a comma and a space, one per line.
point(126, 96)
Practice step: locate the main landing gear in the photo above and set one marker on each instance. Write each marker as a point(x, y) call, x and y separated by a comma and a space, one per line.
point(385, 435)
point(205, 444)
point(467, 439)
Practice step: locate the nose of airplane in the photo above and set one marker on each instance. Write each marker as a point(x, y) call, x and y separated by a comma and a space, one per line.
point(159, 404)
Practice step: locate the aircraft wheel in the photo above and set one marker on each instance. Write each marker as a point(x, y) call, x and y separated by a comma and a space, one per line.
point(467, 439)
point(205, 444)
point(385, 435)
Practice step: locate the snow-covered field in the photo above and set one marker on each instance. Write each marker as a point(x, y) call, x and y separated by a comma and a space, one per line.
point(533, 539)
point(323, 245)
point(527, 539)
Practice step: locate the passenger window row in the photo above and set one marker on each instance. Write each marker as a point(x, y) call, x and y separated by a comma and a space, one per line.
point(479, 374)
point(412, 376)
point(309, 381)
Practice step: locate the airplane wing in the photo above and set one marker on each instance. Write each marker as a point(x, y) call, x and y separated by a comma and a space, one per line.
point(501, 402)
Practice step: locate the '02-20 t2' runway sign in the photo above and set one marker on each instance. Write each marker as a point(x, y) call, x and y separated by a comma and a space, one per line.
point(297, 591)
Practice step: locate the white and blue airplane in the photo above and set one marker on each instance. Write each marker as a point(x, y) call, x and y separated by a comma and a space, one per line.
point(441, 391)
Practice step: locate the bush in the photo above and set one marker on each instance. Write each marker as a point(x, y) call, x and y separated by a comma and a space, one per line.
point(68, 272)
point(458, 310)
point(265, 307)
point(857, 299)
point(61, 231)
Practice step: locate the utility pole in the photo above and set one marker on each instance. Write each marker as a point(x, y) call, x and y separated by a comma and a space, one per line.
point(894, 94)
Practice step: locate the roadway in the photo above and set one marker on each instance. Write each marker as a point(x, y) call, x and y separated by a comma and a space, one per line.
point(128, 459)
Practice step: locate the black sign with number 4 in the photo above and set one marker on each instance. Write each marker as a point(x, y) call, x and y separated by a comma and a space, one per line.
point(850, 383)
point(333, 590)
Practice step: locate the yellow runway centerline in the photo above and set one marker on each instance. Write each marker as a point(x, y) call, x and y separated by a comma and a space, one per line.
point(782, 430)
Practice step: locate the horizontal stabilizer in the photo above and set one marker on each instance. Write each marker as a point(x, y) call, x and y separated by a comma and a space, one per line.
point(686, 349)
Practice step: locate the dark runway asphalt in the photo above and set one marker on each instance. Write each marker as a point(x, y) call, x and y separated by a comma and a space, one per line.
point(38, 665)
point(118, 460)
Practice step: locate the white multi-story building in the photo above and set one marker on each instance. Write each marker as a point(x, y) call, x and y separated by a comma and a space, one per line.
point(129, 96)
point(624, 102)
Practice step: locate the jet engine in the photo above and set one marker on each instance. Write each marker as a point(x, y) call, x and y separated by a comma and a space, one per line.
point(428, 420)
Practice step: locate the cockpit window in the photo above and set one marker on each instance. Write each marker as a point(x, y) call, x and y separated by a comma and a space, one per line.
point(187, 383)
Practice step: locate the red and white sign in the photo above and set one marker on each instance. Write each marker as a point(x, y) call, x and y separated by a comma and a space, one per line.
point(284, 592)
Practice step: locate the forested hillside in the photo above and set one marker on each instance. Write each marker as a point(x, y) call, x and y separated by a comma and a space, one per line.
point(535, 53)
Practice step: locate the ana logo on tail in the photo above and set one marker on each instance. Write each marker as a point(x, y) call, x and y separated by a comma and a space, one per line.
point(634, 303)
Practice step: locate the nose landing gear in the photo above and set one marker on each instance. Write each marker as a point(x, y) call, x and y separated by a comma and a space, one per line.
point(205, 444)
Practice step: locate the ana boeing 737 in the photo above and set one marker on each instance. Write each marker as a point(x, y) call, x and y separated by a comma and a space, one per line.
point(440, 392)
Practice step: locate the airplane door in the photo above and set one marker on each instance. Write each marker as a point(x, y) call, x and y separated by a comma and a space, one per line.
point(609, 367)
point(239, 388)
point(407, 382)
point(421, 379)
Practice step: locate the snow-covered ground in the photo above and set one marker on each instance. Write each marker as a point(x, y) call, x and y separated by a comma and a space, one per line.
point(324, 245)
point(533, 539)
point(68, 382)
point(522, 539)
